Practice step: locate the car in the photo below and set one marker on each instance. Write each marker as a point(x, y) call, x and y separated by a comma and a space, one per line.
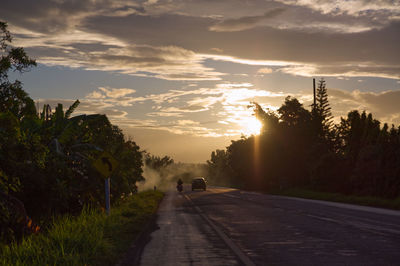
point(199, 183)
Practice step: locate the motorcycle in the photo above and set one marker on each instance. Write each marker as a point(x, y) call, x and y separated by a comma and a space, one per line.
point(179, 187)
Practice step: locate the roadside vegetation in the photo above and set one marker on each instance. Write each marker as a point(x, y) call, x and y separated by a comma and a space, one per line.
point(91, 238)
point(304, 150)
point(51, 195)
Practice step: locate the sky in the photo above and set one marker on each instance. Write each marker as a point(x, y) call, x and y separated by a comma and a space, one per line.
point(178, 75)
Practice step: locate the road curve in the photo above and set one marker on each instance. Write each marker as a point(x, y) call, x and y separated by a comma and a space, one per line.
point(270, 230)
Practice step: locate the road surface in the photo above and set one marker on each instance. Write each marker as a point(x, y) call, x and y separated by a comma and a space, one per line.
point(224, 226)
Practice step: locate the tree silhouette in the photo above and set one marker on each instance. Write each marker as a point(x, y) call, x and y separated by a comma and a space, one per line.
point(299, 148)
point(322, 116)
point(219, 169)
point(268, 119)
point(293, 114)
point(157, 162)
point(12, 98)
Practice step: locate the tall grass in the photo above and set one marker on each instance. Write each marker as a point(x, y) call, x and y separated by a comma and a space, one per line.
point(92, 238)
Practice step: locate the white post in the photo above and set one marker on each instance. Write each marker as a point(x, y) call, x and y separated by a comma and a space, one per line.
point(108, 195)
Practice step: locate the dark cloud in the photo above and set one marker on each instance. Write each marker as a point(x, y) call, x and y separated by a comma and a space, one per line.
point(361, 69)
point(130, 60)
point(45, 51)
point(331, 44)
point(42, 15)
point(47, 16)
point(90, 47)
point(377, 47)
point(385, 103)
point(341, 94)
point(163, 62)
point(353, 7)
point(244, 23)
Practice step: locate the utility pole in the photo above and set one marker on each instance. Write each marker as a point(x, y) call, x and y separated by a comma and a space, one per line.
point(315, 100)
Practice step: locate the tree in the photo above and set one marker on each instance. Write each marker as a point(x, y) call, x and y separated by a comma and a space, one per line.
point(12, 97)
point(322, 114)
point(156, 162)
point(322, 107)
point(46, 160)
point(219, 171)
point(268, 119)
point(293, 114)
point(17, 158)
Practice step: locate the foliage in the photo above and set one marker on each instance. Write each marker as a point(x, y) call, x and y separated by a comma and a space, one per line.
point(322, 108)
point(322, 115)
point(219, 168)
point(298, 148)
point(92, 238)
point(156, 162)
point(46, 159)
point(268, 118)
point(293, 114)
point(12, 98)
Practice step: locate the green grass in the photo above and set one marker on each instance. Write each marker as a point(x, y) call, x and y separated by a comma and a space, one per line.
point(92, 238)
point(336, 197)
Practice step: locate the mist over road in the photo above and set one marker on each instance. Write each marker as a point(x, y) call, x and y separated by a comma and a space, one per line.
point(269, 230)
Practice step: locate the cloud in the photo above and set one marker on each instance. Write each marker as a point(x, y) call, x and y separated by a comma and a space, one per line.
point(234, 85)
point(117, 93)
point(171, 39)
point(95, 95)
point(224, 102)
point(245, 23)
point(353, 7)
point(179, 127)
point(113, 96)
point(383, 105)
point(226, 106)
point(361, 69)
point(51, 17)
point(186, 122)
point(265, 70)
point(169, 62)
point(266, 45)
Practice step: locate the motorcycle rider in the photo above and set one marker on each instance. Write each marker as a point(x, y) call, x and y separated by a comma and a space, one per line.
point(179, 186)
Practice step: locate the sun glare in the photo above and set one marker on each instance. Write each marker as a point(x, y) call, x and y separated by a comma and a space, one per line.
point(251, 126)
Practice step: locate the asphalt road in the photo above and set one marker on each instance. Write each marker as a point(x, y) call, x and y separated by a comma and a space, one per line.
point(223, 226)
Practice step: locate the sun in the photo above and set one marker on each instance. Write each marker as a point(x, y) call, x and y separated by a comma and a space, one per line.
point(251, 126)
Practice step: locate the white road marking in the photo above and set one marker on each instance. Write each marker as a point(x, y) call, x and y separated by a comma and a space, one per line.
point(344, 205)
point(323, 202)
point(359, 225)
